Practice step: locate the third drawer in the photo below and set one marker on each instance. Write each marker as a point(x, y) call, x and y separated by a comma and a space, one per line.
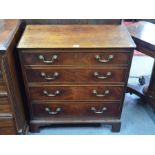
point(78, 92)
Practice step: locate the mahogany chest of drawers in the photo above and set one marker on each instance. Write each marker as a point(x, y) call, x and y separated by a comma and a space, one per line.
point(75, 73)
point(12, 117)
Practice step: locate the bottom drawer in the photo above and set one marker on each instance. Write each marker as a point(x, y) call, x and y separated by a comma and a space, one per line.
point(76, 109)
point(7, 126)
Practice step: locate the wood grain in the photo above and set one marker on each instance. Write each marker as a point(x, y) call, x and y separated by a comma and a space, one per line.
point(79, 50)
point(3, 90)
point(76, 75)
point(10, 32)
point(8, 28)
point(73, 57)
point(76, 36)
point(76, 110)
point(5, 106)
point(7, 126)
point(78, 93)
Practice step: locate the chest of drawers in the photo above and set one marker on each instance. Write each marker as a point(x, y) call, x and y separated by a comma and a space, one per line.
point(12, 118)
point(75, 73)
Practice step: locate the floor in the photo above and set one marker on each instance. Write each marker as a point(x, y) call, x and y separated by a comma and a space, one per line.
point(136, 118)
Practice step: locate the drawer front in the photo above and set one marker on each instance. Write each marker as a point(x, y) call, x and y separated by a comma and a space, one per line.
point(8, 130)
point(63, 75)
point(78, 110)
point(52, 93)
point(5, 106)
point(3, 91)
point(7, 126)
point(5, 122)
point(75, 57)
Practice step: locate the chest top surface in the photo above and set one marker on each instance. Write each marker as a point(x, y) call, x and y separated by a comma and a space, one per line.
point(76, 36)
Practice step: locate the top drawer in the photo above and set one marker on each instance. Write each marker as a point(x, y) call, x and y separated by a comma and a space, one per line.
point(69, 57)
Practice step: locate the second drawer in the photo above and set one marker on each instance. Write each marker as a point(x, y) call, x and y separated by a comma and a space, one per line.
point(62, 75)
point(79, 92)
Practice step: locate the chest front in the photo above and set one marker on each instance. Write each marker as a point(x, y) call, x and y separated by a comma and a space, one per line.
point(75, 73)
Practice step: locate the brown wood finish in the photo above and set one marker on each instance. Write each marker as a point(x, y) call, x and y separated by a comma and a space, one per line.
point(5, 106)
point(11, 104)
point(8, 130)
point(71, 57)
point(77, 93)
point(35, 124)
point(59, 75)
point(75, 64)
point(6, 121)
point(76, 110)
point(3, 90)
point(75, 36)
point(8, 27)
point(7, 126)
